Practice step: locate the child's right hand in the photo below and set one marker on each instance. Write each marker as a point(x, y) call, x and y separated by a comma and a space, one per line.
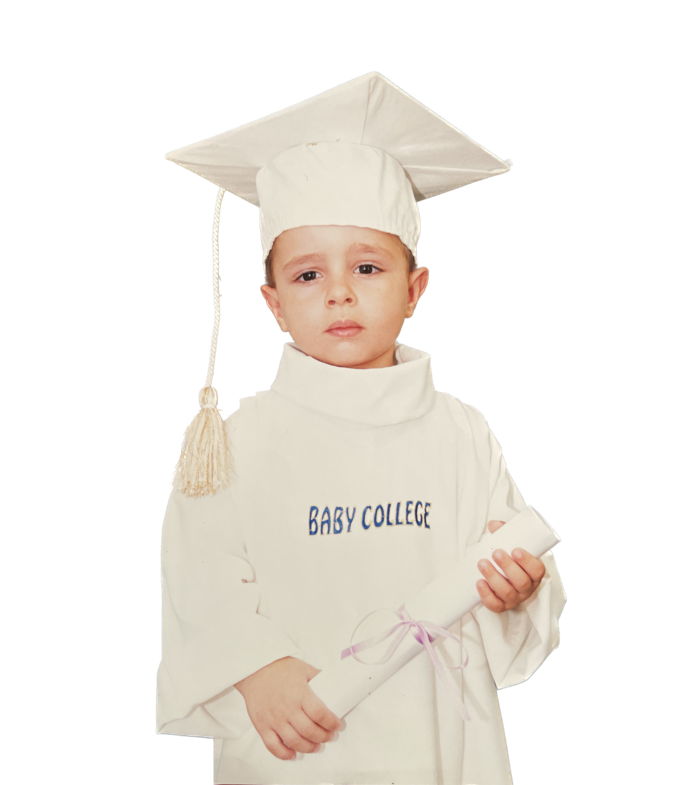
point(285, 711)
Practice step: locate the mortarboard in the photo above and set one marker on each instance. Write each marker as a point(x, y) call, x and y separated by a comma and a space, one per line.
point(361, 154)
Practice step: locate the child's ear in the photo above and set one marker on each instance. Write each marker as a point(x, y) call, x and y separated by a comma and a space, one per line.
point(417, 283)
point(272, 299)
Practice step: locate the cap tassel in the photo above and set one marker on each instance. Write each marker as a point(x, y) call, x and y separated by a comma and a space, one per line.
point(204, 466)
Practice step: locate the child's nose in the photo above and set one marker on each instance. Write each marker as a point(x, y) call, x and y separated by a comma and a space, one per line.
point(339, 300)
point(340, 293)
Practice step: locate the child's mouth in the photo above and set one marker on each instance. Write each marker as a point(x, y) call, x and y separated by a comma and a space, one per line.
point(344, 328)
point(345, 331)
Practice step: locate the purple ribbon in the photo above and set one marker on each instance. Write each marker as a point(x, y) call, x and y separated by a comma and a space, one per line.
point(423, 636)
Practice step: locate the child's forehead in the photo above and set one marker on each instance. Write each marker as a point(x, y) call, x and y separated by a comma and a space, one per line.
point(314, 239)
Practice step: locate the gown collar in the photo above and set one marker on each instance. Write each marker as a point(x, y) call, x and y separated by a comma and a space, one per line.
point(369, 396)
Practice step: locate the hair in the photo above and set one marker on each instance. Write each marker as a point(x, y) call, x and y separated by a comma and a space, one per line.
point(269, 276)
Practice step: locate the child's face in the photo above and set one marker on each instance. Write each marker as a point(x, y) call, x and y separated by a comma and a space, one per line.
point(327, 274)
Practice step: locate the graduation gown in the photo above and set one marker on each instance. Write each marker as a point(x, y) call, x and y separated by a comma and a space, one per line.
point(352, 490)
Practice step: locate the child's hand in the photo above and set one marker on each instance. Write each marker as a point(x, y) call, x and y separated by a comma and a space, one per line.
point(285, 711)
point(524, 576)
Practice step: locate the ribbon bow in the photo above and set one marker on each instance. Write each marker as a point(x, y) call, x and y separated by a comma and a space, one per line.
point(423, 636)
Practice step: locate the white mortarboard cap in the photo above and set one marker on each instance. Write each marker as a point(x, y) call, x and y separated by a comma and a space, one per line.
point(361, 154)
point(378, 140)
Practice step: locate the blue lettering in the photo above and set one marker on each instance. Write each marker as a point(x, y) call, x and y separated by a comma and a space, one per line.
point(350, 520)
point(381, 521)
point(422, 510)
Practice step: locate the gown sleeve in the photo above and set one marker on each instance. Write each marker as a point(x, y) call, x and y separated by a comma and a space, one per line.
point(213, 634)
point(517, 641)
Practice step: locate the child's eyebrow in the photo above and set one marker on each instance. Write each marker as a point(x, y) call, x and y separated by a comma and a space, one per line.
point(363, 248)
point(304, 259)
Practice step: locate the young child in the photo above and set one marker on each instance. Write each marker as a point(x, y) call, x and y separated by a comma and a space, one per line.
point(353, 482)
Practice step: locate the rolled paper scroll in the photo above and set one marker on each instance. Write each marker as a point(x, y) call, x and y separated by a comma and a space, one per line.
point(343, 685)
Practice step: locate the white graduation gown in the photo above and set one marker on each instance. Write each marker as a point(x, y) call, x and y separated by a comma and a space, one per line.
point(353, 489)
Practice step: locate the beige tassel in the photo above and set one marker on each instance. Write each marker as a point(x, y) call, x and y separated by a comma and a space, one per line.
point(204, 466)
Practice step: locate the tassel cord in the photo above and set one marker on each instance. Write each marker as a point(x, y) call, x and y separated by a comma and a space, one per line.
point(215, 280)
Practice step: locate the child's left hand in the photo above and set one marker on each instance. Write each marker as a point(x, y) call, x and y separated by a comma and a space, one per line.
point(525, 573)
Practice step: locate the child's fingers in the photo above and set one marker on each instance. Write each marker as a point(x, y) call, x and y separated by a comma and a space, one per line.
point(495, 525)
point(534, 567)
point(518, 577)
point(319, 713)
point(276, 746)
point(311, 730)
point(501, 587)
point(292, 738)
point(521, 581)
point(489, 599)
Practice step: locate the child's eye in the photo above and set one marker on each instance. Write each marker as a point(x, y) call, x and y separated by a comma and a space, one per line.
point(307, 273)
point(368, 268)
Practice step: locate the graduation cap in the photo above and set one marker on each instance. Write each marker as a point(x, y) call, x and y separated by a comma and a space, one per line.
point(361, 154)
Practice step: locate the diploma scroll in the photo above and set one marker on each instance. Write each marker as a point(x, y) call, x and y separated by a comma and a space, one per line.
point(342, 686)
